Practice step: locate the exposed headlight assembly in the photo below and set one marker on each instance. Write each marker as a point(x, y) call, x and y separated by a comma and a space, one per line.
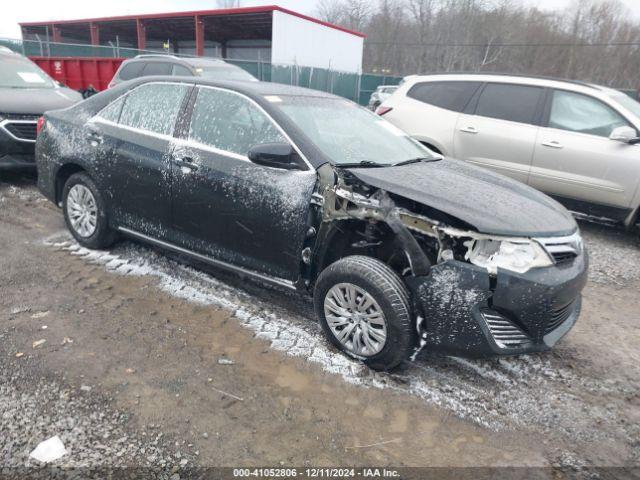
point(515, 255)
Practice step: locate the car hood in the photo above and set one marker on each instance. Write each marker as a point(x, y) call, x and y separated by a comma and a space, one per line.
point(36, 101)
point(492, 203)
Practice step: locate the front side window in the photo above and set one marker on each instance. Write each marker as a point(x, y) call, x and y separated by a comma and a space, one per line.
point(579, 113)
point(230, 122)
point(153, 107)
point(515, 103)
point(448, 95)
point(349, 134)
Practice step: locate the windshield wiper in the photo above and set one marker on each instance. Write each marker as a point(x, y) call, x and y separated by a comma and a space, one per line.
point(415, 160)
point(363, 163)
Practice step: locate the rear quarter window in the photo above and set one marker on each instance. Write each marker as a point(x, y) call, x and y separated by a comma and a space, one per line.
point(131, 70)
point(448, 95)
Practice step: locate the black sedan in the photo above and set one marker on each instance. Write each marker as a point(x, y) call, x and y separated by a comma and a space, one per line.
point(399, 247)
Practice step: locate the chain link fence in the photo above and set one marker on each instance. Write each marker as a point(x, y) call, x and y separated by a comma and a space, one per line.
point(356, 87)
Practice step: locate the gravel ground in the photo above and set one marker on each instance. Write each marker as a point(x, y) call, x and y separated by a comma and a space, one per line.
point(614, 255)
point(580, 400)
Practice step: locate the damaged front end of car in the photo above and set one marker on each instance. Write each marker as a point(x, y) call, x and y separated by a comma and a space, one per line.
point(473, 294)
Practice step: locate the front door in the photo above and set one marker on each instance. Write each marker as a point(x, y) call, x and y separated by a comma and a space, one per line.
point(576, 161)
point(501, 134)
point(225, 206)
point(139, 167)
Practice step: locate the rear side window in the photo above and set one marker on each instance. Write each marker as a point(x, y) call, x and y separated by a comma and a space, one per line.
point(516, 103)
point(153, 107)
point(230, 122)
point(157, 68)
point(131, 70)
point(449, 95)
point(179, 70)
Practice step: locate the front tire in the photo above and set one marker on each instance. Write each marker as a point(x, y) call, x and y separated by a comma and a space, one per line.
point(85, 212)
point(363, 308)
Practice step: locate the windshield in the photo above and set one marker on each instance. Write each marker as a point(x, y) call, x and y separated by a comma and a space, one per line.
point(627, 102)
point(17, 72)
point(228, 72)
point(349, 134)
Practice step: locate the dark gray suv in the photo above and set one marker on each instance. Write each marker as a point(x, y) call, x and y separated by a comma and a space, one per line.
point(160, 64)
point(26, 92)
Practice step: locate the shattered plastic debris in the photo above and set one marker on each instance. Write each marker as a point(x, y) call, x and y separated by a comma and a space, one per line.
point(38, 343)
point(19, 354)
point(225, 361)
point(66, 340)
point(49, 450)
point(40, 314)
point(20, 309)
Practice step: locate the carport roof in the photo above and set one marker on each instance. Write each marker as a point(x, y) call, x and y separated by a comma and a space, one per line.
point(268, 9)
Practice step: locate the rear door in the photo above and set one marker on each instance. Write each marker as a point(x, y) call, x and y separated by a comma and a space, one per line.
point(139, 169)
point(225, 206)
point(499, 129)
point(576, 161)
point(431, 109)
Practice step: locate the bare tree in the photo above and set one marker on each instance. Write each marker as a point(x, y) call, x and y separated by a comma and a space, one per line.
point(592, 40)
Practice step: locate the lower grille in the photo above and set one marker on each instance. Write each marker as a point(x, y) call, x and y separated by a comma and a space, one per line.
point(558, 317)
point(21, 129)
point(505, 333)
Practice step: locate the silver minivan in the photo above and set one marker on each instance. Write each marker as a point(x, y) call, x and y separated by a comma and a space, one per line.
point(574, 141)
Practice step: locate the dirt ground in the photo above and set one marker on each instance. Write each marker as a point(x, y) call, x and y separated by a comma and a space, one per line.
point(148, 361)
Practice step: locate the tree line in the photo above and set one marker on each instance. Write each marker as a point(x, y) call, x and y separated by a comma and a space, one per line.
point(592, 40)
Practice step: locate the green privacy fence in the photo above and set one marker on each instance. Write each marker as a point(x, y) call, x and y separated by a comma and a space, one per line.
point(356, 87)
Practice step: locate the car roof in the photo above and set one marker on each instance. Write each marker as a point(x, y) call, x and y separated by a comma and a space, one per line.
point(252, 89)
point(506, 78)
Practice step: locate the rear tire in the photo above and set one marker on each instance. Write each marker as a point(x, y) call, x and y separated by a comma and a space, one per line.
point(85, 212)
point(342, 292)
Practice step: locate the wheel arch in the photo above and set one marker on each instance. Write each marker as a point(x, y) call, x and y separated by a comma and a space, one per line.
point(339, 239)
point(63, 174)
point(432, 146)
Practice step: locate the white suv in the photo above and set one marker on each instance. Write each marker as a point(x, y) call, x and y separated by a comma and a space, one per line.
point(574, 141)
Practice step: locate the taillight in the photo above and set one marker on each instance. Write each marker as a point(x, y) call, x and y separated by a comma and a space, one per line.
point(39, 125)
point(382, 110)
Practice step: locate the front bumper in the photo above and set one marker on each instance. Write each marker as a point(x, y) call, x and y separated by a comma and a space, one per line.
point(467, 312)
point(15, 152)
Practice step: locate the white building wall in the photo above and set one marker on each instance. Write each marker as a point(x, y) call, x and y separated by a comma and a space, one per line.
point(310, 44)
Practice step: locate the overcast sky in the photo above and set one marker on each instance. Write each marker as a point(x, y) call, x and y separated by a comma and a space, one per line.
point(14, 11)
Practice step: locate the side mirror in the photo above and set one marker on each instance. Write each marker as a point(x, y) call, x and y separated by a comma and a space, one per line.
point(625, 135)
point(276, 155)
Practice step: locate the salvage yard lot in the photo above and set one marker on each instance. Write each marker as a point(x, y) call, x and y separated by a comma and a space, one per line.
point(149, 362)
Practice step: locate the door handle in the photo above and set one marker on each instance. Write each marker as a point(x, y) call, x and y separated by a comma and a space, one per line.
point(187, 164)
point(553, 144)
point(472, 130)
point(95, 138)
